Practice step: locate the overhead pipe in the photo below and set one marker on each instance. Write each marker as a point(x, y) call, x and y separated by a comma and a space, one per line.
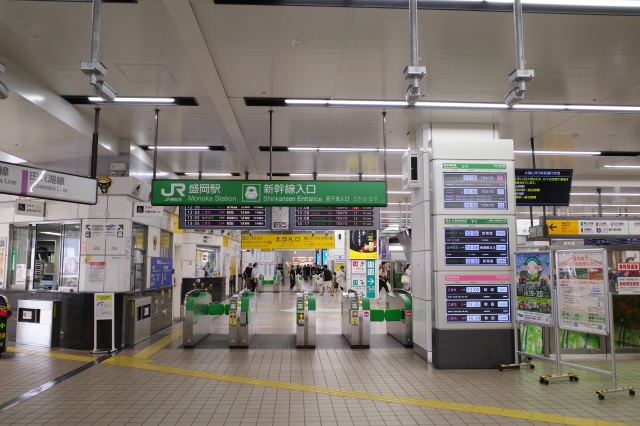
point(520, 75)
point(413, 71)
point(94, 68)
point(384, 143)
point(155, 143)
point(270, 144)
point(94, 144)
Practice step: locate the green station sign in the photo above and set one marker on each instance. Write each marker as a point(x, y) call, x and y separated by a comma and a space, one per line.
point(268, 193)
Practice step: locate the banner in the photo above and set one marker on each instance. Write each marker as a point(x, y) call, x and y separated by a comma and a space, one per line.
point(533, 288)
point(363, 244)
point(287, 241)
point(582, 290)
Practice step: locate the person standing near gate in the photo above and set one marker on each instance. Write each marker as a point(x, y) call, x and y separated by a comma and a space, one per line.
point(254, 277)
point(383, 277)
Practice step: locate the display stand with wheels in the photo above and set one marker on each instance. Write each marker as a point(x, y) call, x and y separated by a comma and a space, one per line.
point(585, 305)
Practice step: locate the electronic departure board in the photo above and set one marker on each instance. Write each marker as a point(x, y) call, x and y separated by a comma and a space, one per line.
point(475, 190)
point(476, 246)
point(330, 218)
point(478, 303)
point(543, 187)
point(227, 217)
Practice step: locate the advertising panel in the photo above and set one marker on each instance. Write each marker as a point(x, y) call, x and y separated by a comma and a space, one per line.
point(533, 288)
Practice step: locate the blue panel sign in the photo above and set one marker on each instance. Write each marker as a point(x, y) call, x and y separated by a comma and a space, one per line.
point(161, 272)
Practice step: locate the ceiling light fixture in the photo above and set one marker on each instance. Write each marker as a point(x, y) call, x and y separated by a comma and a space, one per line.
point(616, 166)
point(209, 174)
point(582, 3)
point(559, 153)
point(130, 100)
point(605, 194)
point(399, 192)
point(184, 147)
point(452, 105)
point(337, 149)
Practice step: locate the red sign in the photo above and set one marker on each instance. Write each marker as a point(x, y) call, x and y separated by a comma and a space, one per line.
point(628, 266)
point(366, 314)
point(409, 314)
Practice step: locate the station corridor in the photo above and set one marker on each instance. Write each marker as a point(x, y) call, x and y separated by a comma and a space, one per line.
point(273, 383)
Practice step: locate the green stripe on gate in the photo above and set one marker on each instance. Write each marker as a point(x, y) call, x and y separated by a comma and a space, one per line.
point(377, 315)
point(216, 309)
point(393, 315)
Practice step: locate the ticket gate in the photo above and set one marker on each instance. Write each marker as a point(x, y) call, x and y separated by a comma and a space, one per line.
point(242, 319)
point(305, 320)
point(197, 322)
point(277, 280)
point(356, 321)
point(399, 316)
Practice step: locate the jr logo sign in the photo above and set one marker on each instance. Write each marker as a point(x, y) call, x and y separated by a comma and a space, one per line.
point(177, 187)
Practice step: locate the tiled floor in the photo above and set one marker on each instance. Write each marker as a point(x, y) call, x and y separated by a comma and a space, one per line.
point(158, 382)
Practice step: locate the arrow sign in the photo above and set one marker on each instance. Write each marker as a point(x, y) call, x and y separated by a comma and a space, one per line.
point(301, 316)
point(120, 227)
point(553, 226)
point(370, 281)
point(3, 325)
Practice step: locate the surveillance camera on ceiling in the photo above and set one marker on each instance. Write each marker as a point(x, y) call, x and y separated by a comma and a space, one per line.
point(4, 91)
point(106, 92)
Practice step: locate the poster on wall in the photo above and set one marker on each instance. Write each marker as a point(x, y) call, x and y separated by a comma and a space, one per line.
point(582, 290)
point(363, 244)
point(533, 288)
point(97, 274)
point(363, 277)
point(161, 272)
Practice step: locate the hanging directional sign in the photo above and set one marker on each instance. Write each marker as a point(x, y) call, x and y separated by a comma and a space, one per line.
point(268, 193)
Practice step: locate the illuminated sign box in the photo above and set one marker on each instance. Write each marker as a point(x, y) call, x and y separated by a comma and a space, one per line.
point(225, 217)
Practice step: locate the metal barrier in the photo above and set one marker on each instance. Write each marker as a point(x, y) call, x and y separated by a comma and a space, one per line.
point(242, 319)
point(356, 324)
point(305, 320)
point(398, 316)
point(197, 323)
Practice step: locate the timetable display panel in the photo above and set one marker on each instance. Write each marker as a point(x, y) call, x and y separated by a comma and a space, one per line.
point(330, 218)
point(474, 298)
point(225, 217)
point(468, 243)
point(473, 187)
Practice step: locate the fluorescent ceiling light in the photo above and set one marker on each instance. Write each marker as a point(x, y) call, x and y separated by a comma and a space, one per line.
point(130, 100)
point(300, 174)
point(604, 205)
point(606, 194)
point(399, 150)
point(207, 174)
point(178, 148)
point(589, 3)
point(498, 106)
point(560, 153)
point(395, 211)
point(398, 192)
point(8, 158)
point(57, 234)
point(615, 166)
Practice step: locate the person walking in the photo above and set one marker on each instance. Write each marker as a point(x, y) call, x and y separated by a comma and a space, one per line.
point(341, 281)
point(383, 277)
point(292, 278)
point(254, 277)
point(406, 277)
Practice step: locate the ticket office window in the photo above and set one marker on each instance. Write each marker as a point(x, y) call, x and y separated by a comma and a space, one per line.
point(45, 256)
point(207, 261)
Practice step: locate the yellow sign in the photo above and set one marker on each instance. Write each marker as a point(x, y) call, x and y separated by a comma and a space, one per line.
point(225, 241)
point(563, 227)
point(104, 296)
point(300, 316)
point(354, 322)
point(287, 241)
point(232, 322)
point(175, 222)
point(232, 314)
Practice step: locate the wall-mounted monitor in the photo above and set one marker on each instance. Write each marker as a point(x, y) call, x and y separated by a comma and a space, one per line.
point(332, 218)
point(226, 217)
point(543, 187)
point(465, 243)
point(470, 187)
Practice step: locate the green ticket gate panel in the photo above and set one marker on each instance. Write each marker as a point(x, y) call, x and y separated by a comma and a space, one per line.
point(399, 316)
point(305, 320)
point(242, 319)
point(197, 322)
point(356, 319)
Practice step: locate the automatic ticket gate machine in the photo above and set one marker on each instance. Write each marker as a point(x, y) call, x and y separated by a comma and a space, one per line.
point(398, 316)
point(356, 319)
point(197, 322)
point(242, 319)
point(305, 320)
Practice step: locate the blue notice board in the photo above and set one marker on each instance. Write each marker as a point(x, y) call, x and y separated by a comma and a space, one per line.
point(161, 272)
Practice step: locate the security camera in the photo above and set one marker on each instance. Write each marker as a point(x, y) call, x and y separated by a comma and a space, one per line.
point(106, 92)
point(413, 94)
point(251, 234)
point(326, 234)
point(4, 91)
point(313, 233)
point(514, 97)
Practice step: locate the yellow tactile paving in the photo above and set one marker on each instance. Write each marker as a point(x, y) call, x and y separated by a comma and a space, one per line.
point(152, 349)
point(57, 355)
